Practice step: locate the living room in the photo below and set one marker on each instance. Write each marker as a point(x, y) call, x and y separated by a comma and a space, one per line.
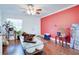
point(53, 24)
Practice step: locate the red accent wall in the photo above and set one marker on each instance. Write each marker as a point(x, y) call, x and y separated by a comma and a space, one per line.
point(52, 23)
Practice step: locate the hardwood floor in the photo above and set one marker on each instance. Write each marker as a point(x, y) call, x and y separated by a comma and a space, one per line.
point(55, 49)
point(50, 48)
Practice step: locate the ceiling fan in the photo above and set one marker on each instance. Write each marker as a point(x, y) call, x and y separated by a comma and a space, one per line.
point(31, 9)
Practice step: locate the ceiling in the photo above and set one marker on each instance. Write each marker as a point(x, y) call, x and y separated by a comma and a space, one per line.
point(17, 9)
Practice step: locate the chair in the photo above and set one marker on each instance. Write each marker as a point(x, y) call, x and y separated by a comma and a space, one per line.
point(62, 38)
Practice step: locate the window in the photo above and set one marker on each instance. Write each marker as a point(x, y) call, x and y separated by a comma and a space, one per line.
point(17, 23)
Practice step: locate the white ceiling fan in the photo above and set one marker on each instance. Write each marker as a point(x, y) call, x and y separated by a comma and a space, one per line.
point(31, 9)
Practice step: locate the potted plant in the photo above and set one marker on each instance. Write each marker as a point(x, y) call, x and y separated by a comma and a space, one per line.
point(18, 33)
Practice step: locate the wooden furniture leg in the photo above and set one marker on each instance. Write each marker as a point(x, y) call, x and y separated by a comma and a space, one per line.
point(56, 39)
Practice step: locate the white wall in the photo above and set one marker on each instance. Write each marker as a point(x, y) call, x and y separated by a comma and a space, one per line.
point(0, 36)
point(0, 17)
point(31, 23)
point(0, 44)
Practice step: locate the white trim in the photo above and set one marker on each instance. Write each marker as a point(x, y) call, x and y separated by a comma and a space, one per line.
point(60, 10)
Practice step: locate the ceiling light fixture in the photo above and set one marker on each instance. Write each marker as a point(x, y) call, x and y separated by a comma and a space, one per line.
point(30, 9)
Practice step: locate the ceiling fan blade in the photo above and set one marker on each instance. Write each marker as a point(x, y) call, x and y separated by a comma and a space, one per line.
point(38, 9)
point(37, 12)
